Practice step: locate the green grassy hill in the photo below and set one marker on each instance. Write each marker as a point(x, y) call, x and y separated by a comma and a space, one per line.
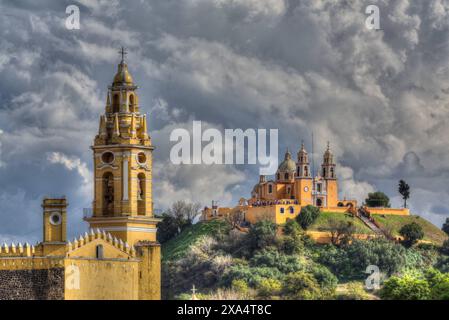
point(394, 223)
point(176, 247)
point(323, 220)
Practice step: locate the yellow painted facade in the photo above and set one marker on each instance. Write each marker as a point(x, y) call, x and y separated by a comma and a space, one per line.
point(119, 257)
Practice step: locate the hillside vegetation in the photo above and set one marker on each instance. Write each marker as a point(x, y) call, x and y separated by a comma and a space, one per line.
point(393, 223)
point(265, 264)
point(178, 246)
point(323, 221)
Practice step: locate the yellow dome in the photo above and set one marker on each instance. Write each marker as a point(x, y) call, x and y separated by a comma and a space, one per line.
point(122, 76)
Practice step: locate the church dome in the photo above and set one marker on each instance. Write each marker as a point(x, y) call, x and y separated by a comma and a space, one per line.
point(288, 165)
point(123, 76)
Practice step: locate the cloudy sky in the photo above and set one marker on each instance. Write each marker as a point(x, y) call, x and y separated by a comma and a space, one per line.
point(381, 97)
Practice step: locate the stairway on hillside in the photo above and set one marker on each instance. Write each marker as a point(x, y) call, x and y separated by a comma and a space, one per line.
point(370, 224)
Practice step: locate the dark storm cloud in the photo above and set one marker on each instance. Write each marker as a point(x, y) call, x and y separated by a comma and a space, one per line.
point(300, 66)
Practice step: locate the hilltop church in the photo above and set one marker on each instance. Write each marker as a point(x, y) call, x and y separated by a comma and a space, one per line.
point(119, 258)
point(295, 186)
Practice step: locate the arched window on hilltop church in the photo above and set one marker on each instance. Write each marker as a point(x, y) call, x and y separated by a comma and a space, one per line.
point(332, 172)
point(286, 176)
point(270, 188)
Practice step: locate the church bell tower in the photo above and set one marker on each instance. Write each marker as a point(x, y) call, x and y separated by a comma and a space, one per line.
point(122, 153)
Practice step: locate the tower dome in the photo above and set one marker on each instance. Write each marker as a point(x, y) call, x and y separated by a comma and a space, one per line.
point(288, 165)
point(122, 76)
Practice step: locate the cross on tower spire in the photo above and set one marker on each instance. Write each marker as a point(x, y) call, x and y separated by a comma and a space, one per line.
point(123, 53)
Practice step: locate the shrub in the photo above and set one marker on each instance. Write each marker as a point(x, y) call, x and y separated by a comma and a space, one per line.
point(302, 286)
point(272, 258)
point(354, 291)
point(240, 286)
point(407, 287)
point(267, 288)
point(377, 199)
point(326, 279)
point(350, 261)
point(292, 228)
point(445, 227)
point(291, 244)
point(445, 247)
point(307, 216)
point(262, 234)
point(411, 232)
point(251, 276)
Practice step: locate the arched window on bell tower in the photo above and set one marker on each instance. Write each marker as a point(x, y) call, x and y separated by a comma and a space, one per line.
point(116, 103)
point(141, 188)
point(108, 194)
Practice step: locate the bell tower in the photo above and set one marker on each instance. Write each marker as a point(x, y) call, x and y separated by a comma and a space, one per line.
point(303, 178)
point(122, 150)
point(329, 175)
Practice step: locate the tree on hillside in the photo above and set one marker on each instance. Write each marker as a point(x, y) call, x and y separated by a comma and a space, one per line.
point(184, 212)
point(307, 216)
point(445, 227)
point(262, 234)
point(167, 228)
point(341, 231)
point(404, 190)
point(235, 218)
point(377, 199)
point(411, 232)
point(177, 218)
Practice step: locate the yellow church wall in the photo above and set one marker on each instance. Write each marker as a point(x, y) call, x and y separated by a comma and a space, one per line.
point(272, 213)
point(324, 237)
point(101, 279)
point(389, 211)
point(256, 214)
point(334, 209)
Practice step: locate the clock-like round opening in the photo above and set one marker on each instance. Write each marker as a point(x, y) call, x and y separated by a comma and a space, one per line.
point(56, 219)
point(107, 157)
point(141, 158)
